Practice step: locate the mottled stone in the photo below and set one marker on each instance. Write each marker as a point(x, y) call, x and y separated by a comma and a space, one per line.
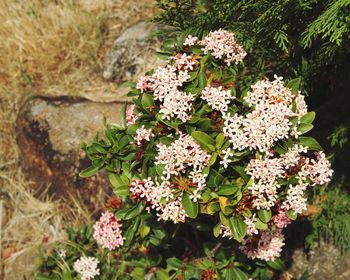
point(49, 134)
point(131, 53)
point(325, 262)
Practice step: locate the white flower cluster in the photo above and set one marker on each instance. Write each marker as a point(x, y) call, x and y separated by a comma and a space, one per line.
point(182, 154)
point(165, 83)
point(142, 135)
point(217, 98)
point(266, 171)
point(269, 121)
point(223, 45)
point(177, 104)
point(190, 41)
point(250, 223)
point(266, 246)
point(160, 198)
point(318, 171)
point(183, 62)
point(131, 117)
point(87, 267)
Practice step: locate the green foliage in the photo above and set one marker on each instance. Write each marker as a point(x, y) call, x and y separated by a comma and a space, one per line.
point(332, 223)
point(168, 261)
point(291, 38)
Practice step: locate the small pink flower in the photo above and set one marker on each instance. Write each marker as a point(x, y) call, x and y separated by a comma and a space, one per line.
point(142, 135)
point(145, 83)
point(223, 45)
point(190, 41)
point(281, 220)
point(267, 246)
point(107, 231)
point(131, 117)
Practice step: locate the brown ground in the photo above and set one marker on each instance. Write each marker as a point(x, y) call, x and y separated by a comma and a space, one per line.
point(50, 48)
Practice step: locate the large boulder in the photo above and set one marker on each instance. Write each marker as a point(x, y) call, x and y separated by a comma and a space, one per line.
point(322, 263)
point(49, 134)
point(132, 52)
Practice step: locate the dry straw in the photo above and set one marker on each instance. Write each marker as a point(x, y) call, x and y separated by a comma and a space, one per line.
point(50, 48)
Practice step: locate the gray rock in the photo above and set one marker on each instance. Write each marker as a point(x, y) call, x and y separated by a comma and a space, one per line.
point(324, 262)
point(49, 134)
point(130, 53)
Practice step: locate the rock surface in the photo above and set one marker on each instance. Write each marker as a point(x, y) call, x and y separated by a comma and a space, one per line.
point(49, 134)
point(131, 53)
point(325, 262)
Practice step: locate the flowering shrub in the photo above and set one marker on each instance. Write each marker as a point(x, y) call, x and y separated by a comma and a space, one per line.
point(198, 156)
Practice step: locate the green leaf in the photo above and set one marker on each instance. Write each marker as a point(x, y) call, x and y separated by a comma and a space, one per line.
point(162, 274)
point(202, 80)
point(174, 263)
point(204, 140)
point(294, 84)
point(228, 190)
point(67, 275)
point(265, 215)
point(164, 55)
point(241, 171)
point(260, 225)
point(216, 230)
point(147, 101)
point(123, 116)
point(213, 158)
point(310, 142)
point(190, 207)
point(144, 230)
point(305, 127)
point(277, 264)
point(237, 227)
point(234, 273)
point(220, 139)
point(292, 215)
point(212, 207)
point(118, 180)
point(88, 172)
point(129, 213)
point(99, 148)
point(308, 118)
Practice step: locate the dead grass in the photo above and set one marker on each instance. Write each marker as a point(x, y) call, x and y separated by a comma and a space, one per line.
point(52, 48)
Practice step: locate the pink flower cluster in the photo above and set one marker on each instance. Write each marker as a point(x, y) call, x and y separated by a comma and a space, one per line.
point(190, 41)
point(266, 171)
point(217, 98)
point(223, 45)
point(107, 231)
point(317, 170)
point(183, 157)
point(165, 83)
point(142, 135)
point(265, 246)
point(250, 223)
point(269, 121)
point(160, 198)
point(281, 219)
point(131, 117)
point(182, 154)
point(87, 267)
point(183, 62)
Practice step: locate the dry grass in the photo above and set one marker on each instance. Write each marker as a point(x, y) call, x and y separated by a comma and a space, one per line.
point(52, 48)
